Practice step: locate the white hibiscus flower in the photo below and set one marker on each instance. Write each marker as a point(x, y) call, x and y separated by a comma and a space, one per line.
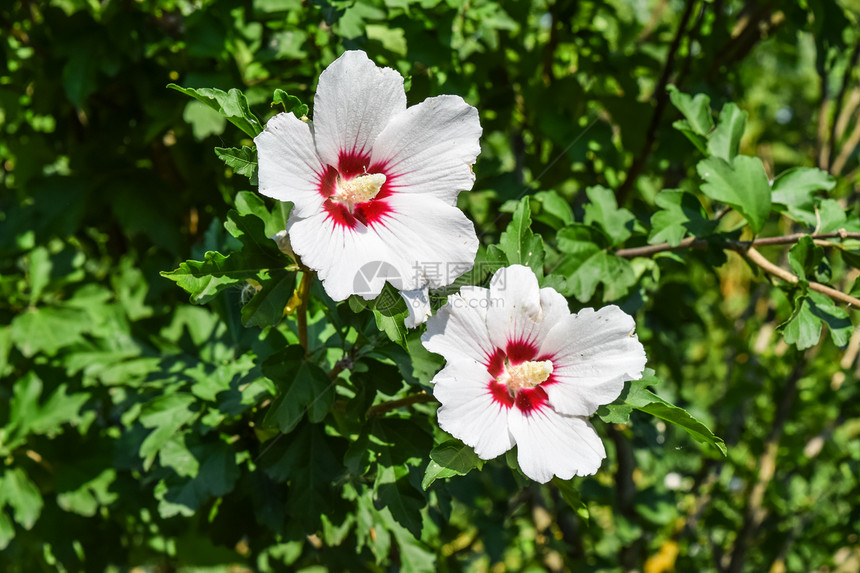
point(374, 184)
point(522, 370)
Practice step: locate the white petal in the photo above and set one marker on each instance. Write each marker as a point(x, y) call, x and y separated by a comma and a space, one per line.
point(353, 103)
point(468, 411)
point(593, 352)
point(549, 443)
point(418, 303)
point(430, 148)
point(348, 261)
point(434, 241)
point(458, 331)
point(288, 166)
point(521, 311)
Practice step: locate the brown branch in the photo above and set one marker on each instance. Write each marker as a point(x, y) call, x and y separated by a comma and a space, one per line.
point(662, 101)
point(840, 99)
point(379, 409)
point(847, 150)
point(757, 258)
point(694, 243)
point(823, 143)
point(747, 250)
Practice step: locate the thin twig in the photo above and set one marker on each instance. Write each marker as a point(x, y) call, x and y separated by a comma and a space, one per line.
point(379, 409)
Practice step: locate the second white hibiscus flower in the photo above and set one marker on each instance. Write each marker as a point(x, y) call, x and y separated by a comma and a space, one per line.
point(373, 181)
point(522, 370)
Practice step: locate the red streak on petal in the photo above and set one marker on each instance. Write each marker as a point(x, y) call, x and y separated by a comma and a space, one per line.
point(496, 363)
point(339, 214)
point(328, 181)
point(520, 351)
point(531, 399)
point(500, 394)
point(353, 164)
point(371, 212)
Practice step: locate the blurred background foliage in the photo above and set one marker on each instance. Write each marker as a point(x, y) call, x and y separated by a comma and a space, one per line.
point(132, 422)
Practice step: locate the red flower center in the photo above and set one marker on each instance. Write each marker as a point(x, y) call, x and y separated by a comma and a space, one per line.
point(356, 191)
point(518, 378)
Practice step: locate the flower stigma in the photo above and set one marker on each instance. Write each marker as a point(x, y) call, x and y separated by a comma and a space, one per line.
point(526, 374)
point(359, 189)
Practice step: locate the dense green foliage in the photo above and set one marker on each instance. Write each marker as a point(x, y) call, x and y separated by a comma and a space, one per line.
point(632, 151)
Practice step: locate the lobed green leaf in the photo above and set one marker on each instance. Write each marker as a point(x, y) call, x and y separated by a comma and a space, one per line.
point(741, 184)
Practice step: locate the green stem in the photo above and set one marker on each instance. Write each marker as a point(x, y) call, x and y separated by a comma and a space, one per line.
point(302, 311)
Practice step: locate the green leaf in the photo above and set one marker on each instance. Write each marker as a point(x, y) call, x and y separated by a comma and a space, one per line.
point(742, 184)
point(399, 444)
point(205, 279)
point(39, 272)
point(616, 413)
point(7, 530)
point(646, 401)
point(59, 409)
point(726, 138)
point(700, 141)
point(242, 160)
point(794, 190)
point(391, 38)
point(302, 387)
point(571, 496)
point(585, 265)
point(803, 328)
point(309, 460)
point(831, 216)
point(450, 458)
point(165, 414)
point(390, 312)
point(26, 416)
point(603, 210)
point(22, 495)
point(48, 329)
point(696, 110)
point(80, 73)
point(232, 105)
point(805, 258)
point(550, 208)
point(836, 318)
point(290, 103)
point(89, 496)
point(215, 474)
point(415, 556)
point(519, 243)
point(266, 306)
point(204, 120)
point(249, 203)
point(681, 213)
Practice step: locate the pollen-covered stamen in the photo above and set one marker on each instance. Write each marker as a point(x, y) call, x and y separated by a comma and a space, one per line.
point(359, 189)
point(526, 374)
